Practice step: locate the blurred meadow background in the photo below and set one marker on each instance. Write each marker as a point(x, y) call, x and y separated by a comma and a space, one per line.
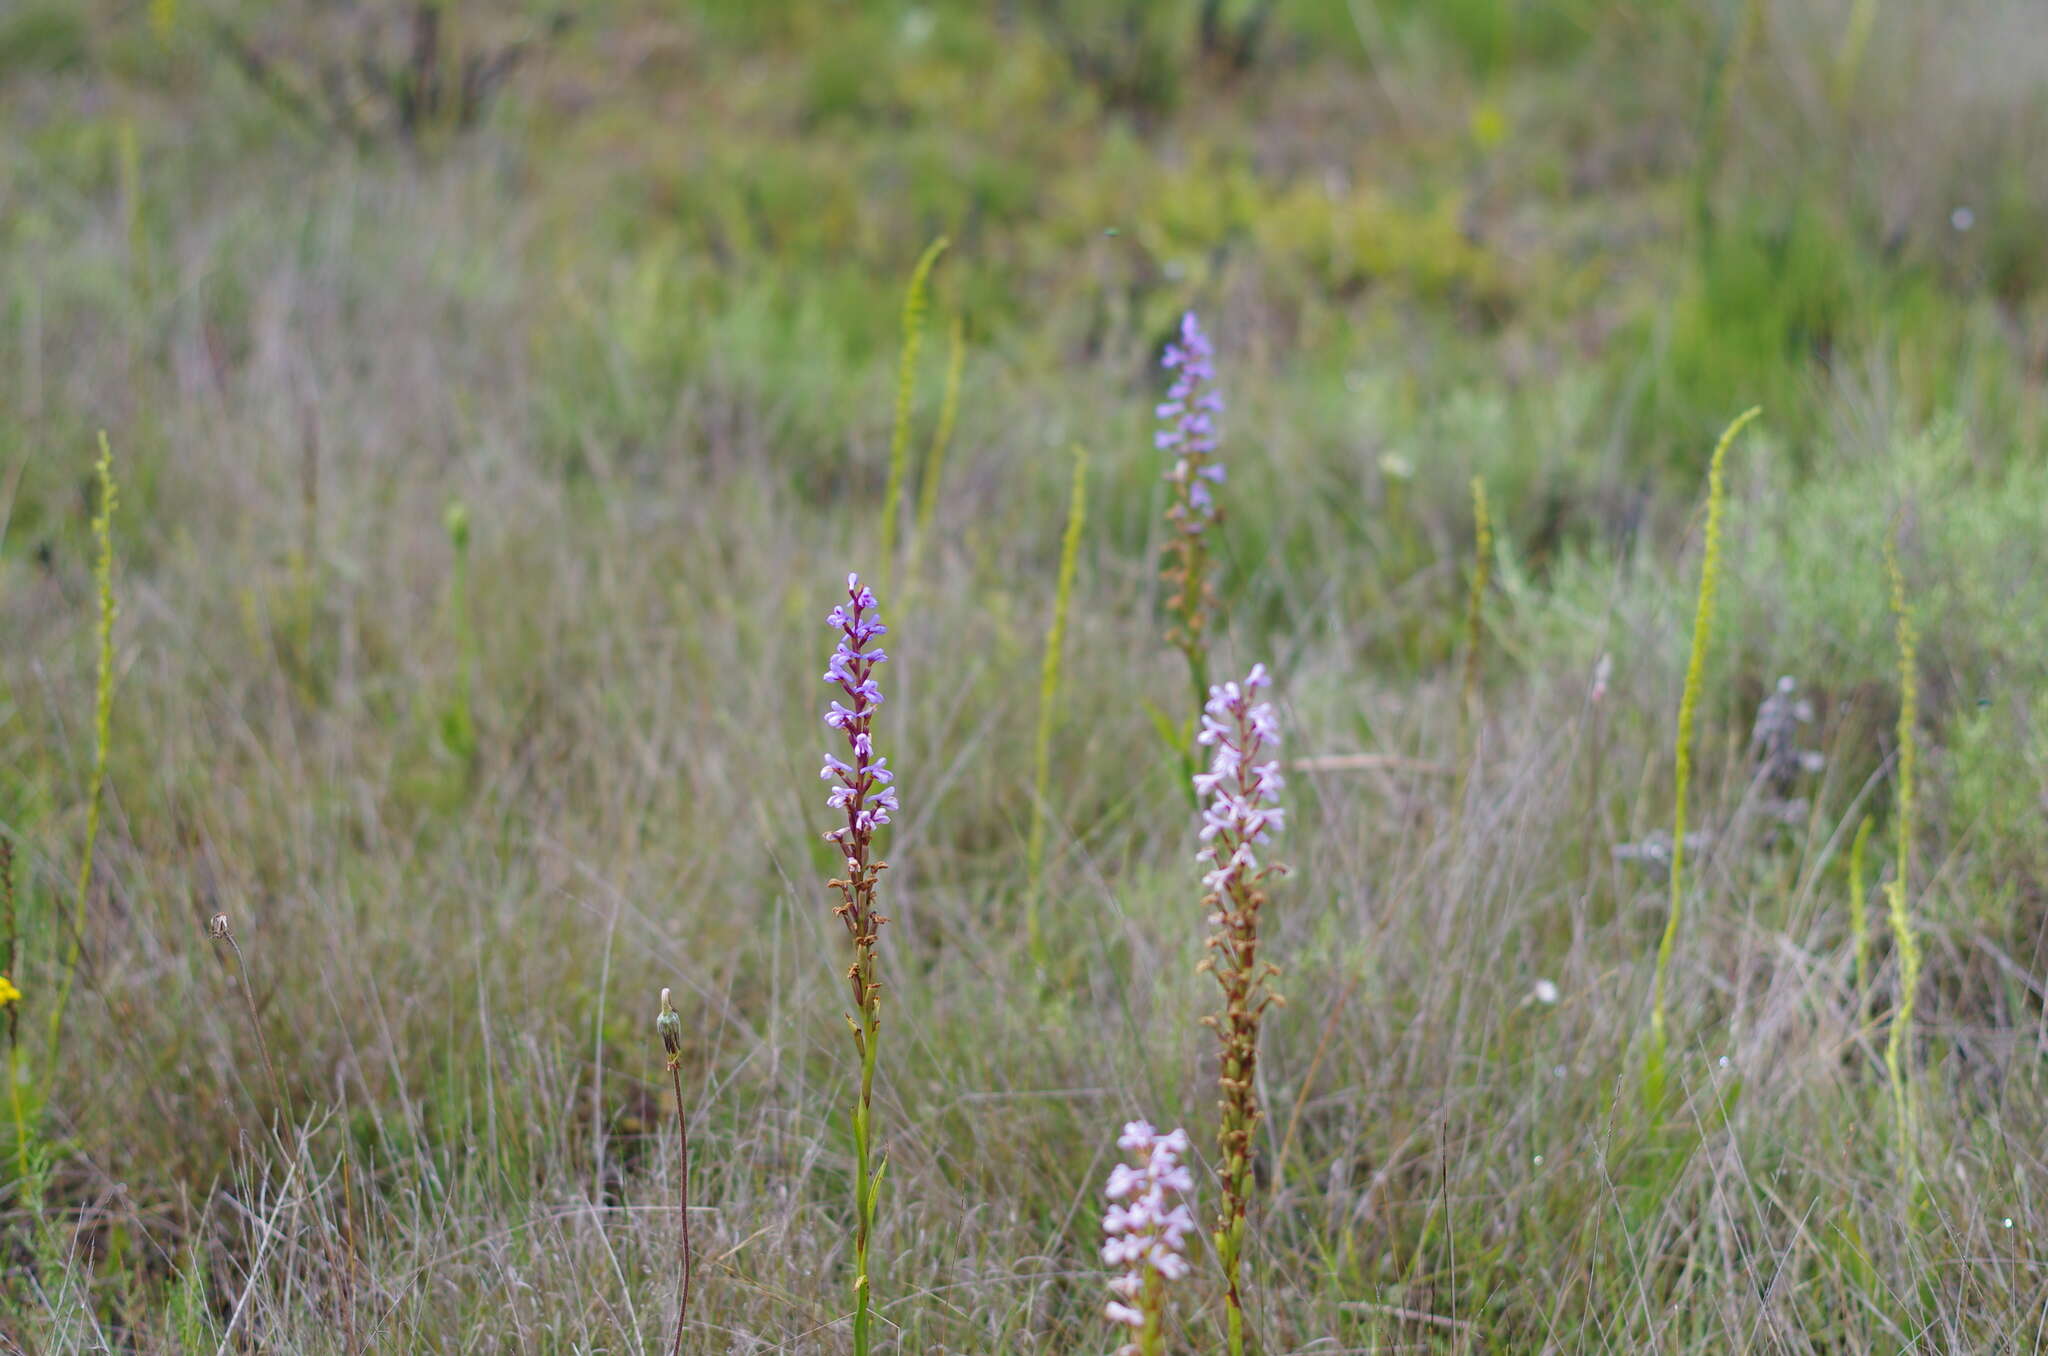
point(498, 394)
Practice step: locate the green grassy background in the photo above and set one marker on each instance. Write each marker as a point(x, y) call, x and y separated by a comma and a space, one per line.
point(636, 307)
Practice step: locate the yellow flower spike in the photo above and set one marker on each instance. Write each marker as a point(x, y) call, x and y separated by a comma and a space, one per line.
point(8, 993)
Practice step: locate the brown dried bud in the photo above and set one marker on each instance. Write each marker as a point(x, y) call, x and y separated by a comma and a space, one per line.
point(670, 1025)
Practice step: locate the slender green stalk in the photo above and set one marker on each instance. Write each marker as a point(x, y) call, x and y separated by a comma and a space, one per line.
point(11, 999)
point(670, 1026)
point(305, 560)
point(1190, 606)
point(102, 720)
point(1048, 700)
point(444, 110)
point(459, 722)
point(17, 1074)
point(867, 1186)
point(942, 437)
point(10, 943)
point(1859, 912)
point(914, 307)
point(1729, 54)
point(128, 172)
point(1688, 706)
point(1150, 1340)
point(1849, 56)
point(1897, 1052)
point(1482, 555)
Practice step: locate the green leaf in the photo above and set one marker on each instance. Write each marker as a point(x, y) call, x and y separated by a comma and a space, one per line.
point(1175, 737)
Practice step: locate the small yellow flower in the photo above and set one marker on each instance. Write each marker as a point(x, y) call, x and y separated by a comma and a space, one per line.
point(1489, 125)
point(8, 993)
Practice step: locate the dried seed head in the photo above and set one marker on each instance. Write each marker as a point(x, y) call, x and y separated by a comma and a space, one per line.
point(218, 928)
point(670, 1026)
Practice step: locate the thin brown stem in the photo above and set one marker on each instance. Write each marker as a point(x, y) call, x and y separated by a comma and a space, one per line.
point(222, 931)
point(348, 1274)
point(683, 1205)
point(669, 1024)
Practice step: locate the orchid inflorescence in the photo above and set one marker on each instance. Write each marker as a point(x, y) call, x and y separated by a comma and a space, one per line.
point(1147, 1225)
point(1242, 788)
point(865, 794)
point(1190, 409)
point(1189, 435)
point(864, 791)
point(1243, 792)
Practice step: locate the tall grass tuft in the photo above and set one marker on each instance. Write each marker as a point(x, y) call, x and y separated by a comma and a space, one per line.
point(1688, 706)
point(1897, 1054)
point(190, 1316)
point(1859, 911)
point(1482, 554)
point(102, 722)
point(1048, 702)
point(915, 303)
point(942, 436)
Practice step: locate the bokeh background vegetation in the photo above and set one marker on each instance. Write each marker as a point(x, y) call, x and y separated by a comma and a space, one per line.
point(624, 279)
